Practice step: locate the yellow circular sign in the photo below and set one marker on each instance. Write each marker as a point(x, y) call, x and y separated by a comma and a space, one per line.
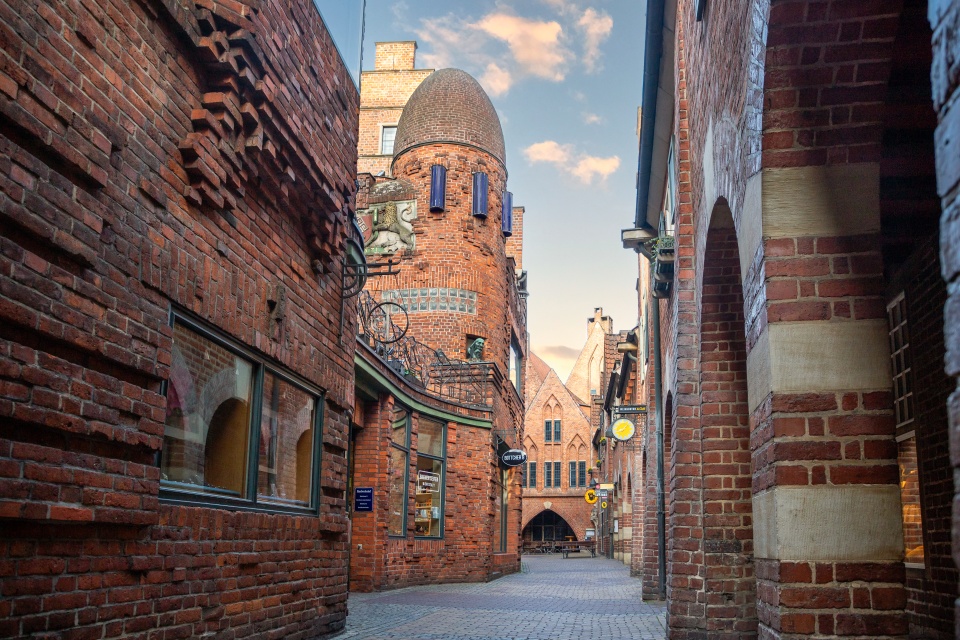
point(590, 496)
point(603, 505)
point(623, 429)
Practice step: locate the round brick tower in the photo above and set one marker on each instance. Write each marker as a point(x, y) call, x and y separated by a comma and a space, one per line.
point(455, 280)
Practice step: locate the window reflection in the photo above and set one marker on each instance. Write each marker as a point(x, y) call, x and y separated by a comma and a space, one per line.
point(286, 443)
point(205, 440)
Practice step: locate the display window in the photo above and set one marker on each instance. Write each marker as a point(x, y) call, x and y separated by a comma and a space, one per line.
point(428, 510)
point(238, 432)
point(398, 470)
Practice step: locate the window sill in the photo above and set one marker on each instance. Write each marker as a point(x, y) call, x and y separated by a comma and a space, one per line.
point(173, 497)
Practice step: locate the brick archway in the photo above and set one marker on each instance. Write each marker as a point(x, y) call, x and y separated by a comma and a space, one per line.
point(566, 513)
point(730, 582)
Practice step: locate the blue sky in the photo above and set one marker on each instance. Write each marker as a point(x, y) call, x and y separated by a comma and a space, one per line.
point(565, 77)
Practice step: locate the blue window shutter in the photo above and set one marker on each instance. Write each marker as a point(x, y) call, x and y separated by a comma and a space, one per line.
point(506, 219)
point(480, 186)
point(438, 188)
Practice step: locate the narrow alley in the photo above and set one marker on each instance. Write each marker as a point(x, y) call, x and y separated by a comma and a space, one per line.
point(551, 598)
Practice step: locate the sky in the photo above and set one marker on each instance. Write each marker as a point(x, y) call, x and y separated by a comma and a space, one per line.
point(565, 77)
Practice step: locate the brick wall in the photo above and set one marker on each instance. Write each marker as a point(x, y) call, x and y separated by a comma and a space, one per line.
point(468, 551)
point(945, 21)
point(122, 197)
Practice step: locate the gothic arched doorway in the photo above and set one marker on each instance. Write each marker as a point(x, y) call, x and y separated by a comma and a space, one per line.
point(548, 526)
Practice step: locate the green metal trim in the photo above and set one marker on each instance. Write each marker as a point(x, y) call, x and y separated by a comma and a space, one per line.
point(416, 405)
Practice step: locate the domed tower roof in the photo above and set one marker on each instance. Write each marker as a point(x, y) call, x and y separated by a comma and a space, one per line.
point(450, 106)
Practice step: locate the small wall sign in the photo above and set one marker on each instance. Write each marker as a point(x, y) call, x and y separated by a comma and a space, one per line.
point(363, 498)
point(428, 482)
point(513, 458)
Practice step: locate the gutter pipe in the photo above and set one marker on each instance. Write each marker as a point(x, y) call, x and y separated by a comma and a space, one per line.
point(657, 392)
point(653, 52)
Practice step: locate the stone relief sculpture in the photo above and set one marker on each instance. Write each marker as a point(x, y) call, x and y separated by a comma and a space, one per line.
point(475, 350)
point(392, 227)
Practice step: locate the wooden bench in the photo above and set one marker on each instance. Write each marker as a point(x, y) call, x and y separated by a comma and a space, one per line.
point(575, 546)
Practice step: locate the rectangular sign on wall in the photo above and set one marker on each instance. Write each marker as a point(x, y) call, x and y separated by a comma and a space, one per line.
point(363, 498)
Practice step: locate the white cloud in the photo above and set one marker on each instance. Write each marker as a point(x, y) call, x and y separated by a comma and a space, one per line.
point(595, 27)
point(591, 118)
point(548, 151)
point(590, 166)
point(535, 44)
point(501, 48)
point(581, 166)
point(496, 80)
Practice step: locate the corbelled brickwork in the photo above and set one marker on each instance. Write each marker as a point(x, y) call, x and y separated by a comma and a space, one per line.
point(147, 147)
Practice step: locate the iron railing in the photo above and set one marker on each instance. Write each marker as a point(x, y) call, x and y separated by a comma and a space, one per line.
point(383, 327)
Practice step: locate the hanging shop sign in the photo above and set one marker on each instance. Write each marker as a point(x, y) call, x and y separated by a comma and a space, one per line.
point(363, 498)
point(603, 505)
point(428, 482)
point(513, 458)
point(603, 494)
point(590, 496)
point(623, 429)
point(630, 409)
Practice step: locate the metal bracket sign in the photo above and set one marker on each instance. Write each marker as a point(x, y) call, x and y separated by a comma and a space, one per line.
point(631, 409)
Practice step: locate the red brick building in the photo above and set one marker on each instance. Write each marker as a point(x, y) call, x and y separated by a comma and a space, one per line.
point(175, 396)
point(560, 459)
point(435, 405)
point(798, 163)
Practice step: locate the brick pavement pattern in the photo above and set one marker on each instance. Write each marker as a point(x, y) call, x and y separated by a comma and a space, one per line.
point(551, 599)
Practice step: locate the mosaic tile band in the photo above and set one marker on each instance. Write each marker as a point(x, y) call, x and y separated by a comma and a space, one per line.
point(433, 299)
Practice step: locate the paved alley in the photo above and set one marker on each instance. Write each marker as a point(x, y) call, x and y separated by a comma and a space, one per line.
point(552, 599)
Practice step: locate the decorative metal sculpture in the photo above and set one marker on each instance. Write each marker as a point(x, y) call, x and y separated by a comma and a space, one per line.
point(383, 328)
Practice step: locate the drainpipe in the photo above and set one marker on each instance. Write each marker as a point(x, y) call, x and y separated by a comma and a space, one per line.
point(658, 399)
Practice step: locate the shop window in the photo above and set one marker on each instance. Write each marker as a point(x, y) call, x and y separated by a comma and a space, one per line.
point(431, 447)
point(208, 448)
point(398, 469)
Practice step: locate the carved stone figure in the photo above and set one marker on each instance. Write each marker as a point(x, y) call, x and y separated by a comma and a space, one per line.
point(475, 350)
point(392, 230)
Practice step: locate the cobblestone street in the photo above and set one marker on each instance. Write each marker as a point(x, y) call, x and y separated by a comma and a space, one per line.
point(552, 599)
